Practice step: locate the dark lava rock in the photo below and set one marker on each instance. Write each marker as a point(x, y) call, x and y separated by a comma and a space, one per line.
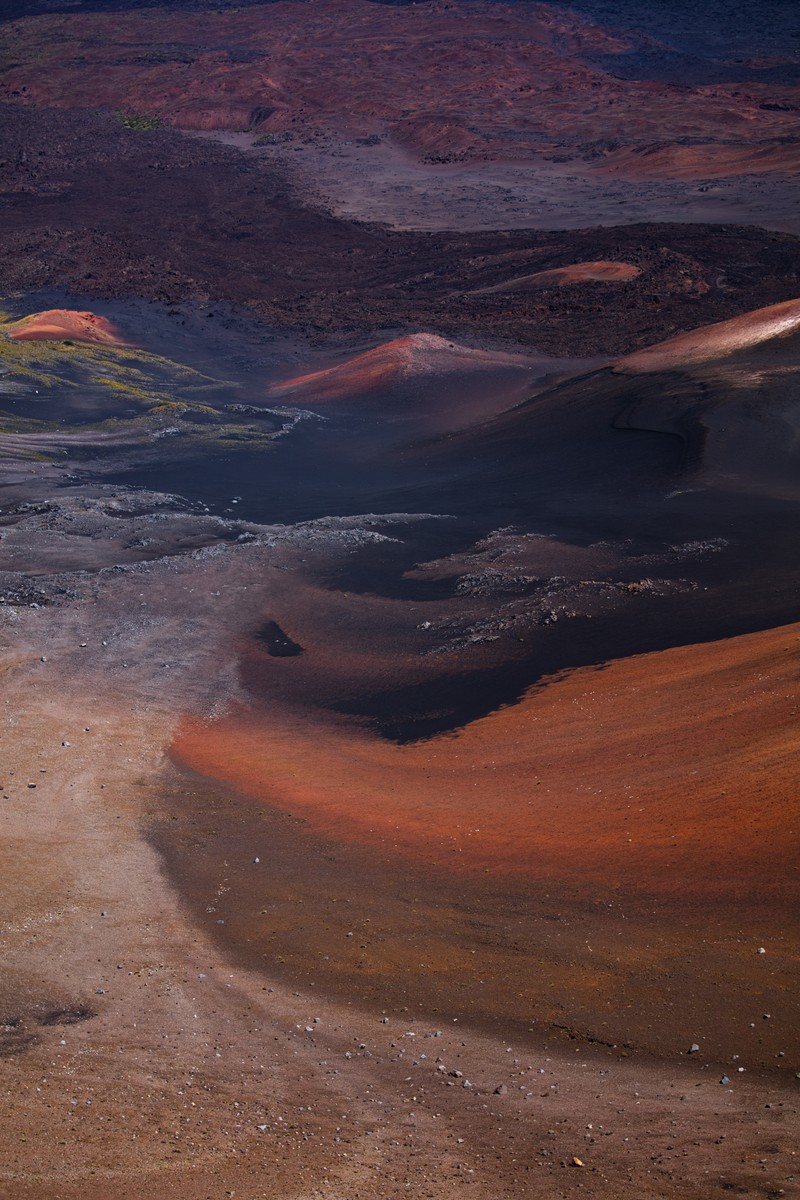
point(66, 1016)
point(276, 641)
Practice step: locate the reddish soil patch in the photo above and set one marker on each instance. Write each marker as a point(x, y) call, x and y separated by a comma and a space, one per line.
point(371, 371)
point(636, 776)
point(61, 324)
point(703, 161)
point(588, 272)
point(441, 383)
point(591, 862)
point(503, 82)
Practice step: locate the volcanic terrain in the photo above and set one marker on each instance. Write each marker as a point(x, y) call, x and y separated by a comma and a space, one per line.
point(398, 600)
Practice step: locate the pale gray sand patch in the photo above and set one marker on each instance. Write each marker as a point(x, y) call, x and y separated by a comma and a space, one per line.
point(380, 183)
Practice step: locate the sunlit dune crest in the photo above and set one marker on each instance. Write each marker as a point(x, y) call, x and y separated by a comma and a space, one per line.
point(639, 776)
point(403, 358)
point(583, 272)
point(64, 324)
point(716, 341)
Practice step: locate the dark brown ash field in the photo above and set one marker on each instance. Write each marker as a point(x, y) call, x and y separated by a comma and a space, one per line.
point(398, 586)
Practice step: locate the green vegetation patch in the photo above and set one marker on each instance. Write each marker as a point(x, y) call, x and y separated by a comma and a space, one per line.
point(136, 375)
point(141, 121)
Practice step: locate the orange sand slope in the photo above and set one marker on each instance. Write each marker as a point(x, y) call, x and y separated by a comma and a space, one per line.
point(403, 358)
point(62, 324)
point(712, 342)
point(585, 272)
point(469, 385)
point(670, 773)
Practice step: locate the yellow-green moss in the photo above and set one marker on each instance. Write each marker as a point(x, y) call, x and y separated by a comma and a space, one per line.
point(11, 423)
point(137, 375)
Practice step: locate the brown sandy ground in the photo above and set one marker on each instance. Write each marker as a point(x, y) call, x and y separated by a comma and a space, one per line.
point(383, 182)
point(139, 1057)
